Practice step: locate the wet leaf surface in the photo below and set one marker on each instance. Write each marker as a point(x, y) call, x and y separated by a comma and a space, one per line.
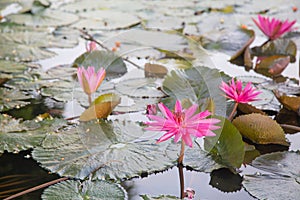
point(111, 62)
point(12, 99)
point(227, 147)
point(77, 190)
point(196, 84)
point(17, 135)
point(105, 149)
point(285, 171)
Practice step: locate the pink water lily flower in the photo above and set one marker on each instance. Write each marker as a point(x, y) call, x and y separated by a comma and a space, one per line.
point(182, 123)
point(91, 46)
point(273, 28)
point(236, 92)
point(89, 79)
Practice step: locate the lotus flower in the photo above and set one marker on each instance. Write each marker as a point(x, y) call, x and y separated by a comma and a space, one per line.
point(273, 28)
point(182, 123)
point(91, 46)
point(89, 79)
point(236, 92)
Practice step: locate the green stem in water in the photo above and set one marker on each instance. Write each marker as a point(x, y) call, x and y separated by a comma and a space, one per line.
point(233, 111)
point(180, 169)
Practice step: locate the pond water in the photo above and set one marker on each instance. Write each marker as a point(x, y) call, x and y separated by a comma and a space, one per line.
point(19, 171)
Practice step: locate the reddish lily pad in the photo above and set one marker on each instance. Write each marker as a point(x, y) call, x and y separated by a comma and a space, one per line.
point(279, 47)
point(260, 129)
point(272, 65)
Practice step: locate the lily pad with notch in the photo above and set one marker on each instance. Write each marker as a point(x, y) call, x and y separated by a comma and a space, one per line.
point(103, 149)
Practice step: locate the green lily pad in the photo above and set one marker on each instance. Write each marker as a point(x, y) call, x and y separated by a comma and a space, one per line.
point(45, 17)
point(17, 135)
point(260, 129)
point(77, 190)
point(196, 84)
point(161, 197)
point(101, 107)
point(227, 146)
point(106, 20)
point(11, 68)
point(105, 149)
point(140, 87)
point(285, 169)
point(11, 98)
point(30, 45)
point(279, 47)
point(113, 64)
point(199, 160)
point(233, 42)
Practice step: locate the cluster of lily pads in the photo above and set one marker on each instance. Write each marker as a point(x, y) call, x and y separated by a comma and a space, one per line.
point(102, 145)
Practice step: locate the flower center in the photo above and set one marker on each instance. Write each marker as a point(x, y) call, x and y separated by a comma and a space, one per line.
point(179, 117)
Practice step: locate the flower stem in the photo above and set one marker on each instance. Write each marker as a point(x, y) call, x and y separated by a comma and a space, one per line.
point(36, 188)
point(233, 111)
point(90, 99)
point(180, 169)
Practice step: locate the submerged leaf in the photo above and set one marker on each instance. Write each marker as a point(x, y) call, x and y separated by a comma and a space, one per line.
point(101, 107)
point(260, 129)
point(227, 146)
point(77, 190)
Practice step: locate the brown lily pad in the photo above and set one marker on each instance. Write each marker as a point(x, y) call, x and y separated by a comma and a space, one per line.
point(260, 129)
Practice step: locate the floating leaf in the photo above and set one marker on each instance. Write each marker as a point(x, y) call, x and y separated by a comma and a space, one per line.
point(77, 190)
point(8, 68)
point(279, 47)
point(106, 20)
point(45, 17)
point(260, 129)
point(12, 99)
point(16, 135)
point(30, 45)
point(112, 63)
point(155, 70)
point(199, 160)
point(289, 102)
point(101, 107)
point(227, 146)
point(161, 197)
point(233, 42)
point(285, 169)
point(196, 84)
point(272, 65)
point(140, 87)
point(105, 149)
point(243, 53)
point(248, 109)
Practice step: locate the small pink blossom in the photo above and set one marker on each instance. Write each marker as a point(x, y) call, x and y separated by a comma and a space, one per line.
point(151, 109)
point(182, 123)
point(89, 79)
point(273, 28)
point(189, 193)
point(91, 46)
point(236, 92)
